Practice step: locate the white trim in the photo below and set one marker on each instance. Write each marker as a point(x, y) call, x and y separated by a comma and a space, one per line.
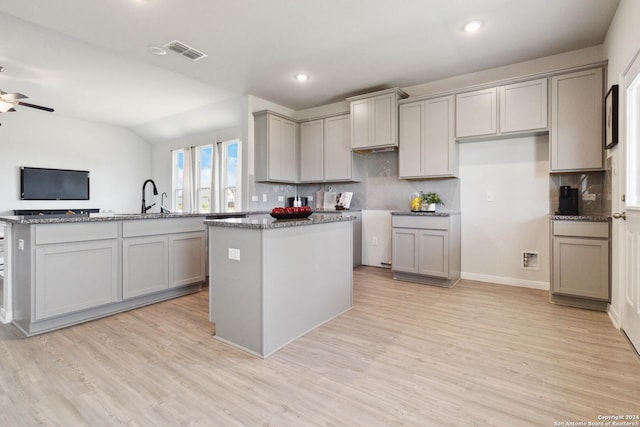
point(613, 316)
point(509, 281)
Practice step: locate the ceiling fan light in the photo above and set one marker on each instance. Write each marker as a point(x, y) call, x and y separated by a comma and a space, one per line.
point(5, 106)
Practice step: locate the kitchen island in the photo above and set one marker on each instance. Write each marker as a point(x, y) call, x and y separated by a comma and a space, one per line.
point(68, 269)
point(271, 281)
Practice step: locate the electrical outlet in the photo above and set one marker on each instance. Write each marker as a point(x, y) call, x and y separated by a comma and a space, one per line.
point(281, 198)
point(489, 196)
point(21, 244)
point(309, 198)
point(587, 196)
point(374, 241)
point(264, 197)
point(234, 254)
point(254, 198)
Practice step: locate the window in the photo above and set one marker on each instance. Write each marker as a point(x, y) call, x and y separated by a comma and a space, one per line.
point(222, 167)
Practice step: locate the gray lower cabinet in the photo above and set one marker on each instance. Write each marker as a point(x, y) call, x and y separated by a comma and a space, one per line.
point(156, 259)
point(426, 249)
point(68, 273)
point(580, 263)
point(144, 265)
point(75, 276)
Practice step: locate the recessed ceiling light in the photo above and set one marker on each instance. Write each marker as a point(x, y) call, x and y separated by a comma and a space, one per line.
point(156, 50)
point(473, 26)
point(301, 77)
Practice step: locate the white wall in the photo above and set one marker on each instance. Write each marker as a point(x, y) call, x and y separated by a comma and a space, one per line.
point(621, 45)
point(118, 160)
point(494, 233)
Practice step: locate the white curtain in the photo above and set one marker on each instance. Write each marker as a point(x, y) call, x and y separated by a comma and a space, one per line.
point(189, 196)
point(216, 193)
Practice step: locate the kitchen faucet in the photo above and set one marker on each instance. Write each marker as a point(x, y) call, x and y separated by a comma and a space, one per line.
point(145, 208)
point(162, 208)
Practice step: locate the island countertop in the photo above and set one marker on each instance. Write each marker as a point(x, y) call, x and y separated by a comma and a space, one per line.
point(268, 222)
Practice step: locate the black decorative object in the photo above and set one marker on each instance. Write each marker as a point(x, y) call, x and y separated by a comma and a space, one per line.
point(611, 117)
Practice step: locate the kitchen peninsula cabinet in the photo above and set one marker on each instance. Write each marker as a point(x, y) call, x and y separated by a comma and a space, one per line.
point(325, 150)
point(426, 248)
point(580, 268)
point(427, 139)
point(276, 147)
point(161, 255)
point(78, 268)
point(374, 119)
point(576, 139)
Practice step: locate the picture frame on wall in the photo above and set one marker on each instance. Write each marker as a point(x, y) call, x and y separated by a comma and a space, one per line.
point(611, 117)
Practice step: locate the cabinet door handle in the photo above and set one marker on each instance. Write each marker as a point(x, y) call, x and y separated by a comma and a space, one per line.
point(622, 215)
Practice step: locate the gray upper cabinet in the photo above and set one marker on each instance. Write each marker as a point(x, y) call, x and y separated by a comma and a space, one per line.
point(312, 151)
point(476, 113)
point(427, 139)
point(504, 110)
point(374, 119)
point(576, 121)
point(523, 106)
point(325, 150)
point(276, 147)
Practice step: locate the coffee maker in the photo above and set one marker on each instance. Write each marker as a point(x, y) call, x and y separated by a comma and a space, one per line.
point(568, 200)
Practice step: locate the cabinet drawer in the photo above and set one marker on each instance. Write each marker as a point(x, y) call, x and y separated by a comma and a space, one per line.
point(152, 227)
point(581, 229)
point(75, 232)
point(424, 222)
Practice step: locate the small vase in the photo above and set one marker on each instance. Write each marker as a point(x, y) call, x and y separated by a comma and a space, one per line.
point(431, 207)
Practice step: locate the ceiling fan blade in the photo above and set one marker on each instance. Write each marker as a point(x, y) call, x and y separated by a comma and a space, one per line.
point(12, 97)
point(39, 107)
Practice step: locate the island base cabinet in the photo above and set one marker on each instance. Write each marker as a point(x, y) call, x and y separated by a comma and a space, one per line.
point(271, 286)
point(75, 277)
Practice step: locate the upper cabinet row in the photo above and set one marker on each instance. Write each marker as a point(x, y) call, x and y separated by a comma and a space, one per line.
point(313, 151)
point(429, 128)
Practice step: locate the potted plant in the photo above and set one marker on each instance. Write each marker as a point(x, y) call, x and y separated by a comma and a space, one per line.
point(431, 199)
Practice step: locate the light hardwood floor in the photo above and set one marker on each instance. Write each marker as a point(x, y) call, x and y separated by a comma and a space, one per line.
point(474, 355)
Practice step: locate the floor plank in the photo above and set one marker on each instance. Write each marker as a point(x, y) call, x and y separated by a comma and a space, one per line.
point(406, 354)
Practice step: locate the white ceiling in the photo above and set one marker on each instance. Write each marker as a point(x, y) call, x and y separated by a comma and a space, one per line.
point(90, 59)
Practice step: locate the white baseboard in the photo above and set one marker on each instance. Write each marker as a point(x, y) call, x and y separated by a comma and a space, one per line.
point(506, 281)
point(614, 316)
point(5, 317)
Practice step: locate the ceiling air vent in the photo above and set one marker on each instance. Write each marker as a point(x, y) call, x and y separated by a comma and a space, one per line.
point(185, 50)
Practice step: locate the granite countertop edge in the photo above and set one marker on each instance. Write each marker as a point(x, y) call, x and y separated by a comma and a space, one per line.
point(267, 222)
point(592, 218)
point(424, 213)
point(104, 217)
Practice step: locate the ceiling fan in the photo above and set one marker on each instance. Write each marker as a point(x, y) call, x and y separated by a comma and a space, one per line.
point(9, 100)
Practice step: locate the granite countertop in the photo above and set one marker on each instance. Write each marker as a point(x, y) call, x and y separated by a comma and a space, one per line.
point(593, 218)
point(97, 217)
point(424, 213)
point(329, 211)
point(267, 222)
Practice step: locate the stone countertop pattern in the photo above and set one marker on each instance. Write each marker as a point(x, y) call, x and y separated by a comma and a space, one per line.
point(592, 218)
point(424, 213)
point(97, 217)
point(268, 222)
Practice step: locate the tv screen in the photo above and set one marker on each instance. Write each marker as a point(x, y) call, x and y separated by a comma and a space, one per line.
point(53, 184)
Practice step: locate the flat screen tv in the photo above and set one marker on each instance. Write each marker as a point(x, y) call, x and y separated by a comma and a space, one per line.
point(53, 184)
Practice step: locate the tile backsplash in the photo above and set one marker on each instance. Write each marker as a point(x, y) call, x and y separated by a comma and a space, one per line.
point(380, 188)
point(596, 184)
